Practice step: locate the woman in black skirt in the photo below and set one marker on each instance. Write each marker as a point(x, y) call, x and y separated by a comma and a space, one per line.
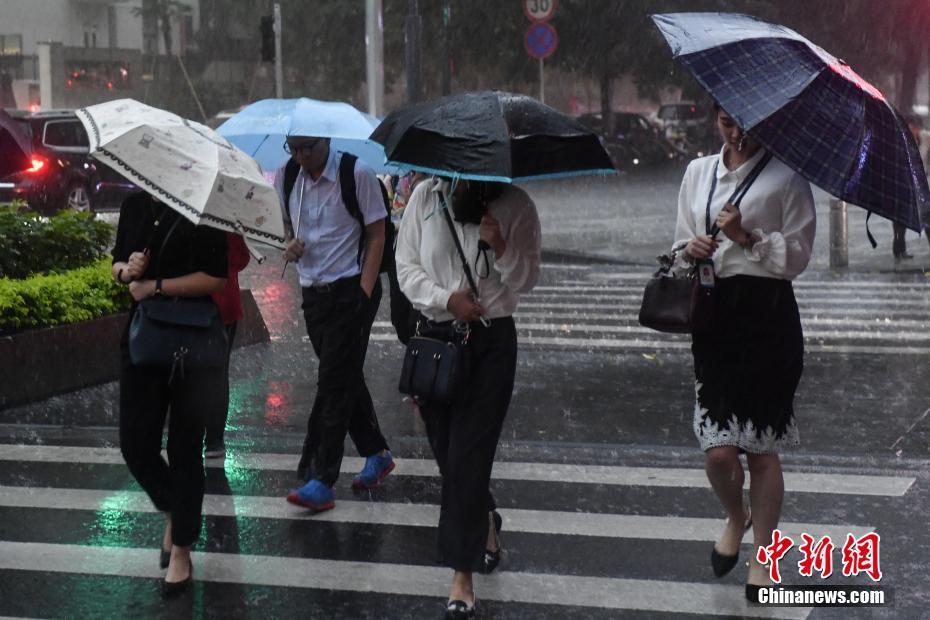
point(748, 365)
point(464, 435)
point(159, 252)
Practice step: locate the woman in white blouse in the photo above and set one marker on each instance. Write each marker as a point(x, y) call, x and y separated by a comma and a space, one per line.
point(464, 436)
point(747, 367)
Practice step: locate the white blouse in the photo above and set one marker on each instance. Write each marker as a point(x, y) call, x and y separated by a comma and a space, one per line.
point(429, 269)
point(778, 209)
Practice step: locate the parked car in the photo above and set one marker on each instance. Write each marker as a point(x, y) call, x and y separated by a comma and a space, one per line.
point(688, 126)
point(632, 141)
point(62, 175)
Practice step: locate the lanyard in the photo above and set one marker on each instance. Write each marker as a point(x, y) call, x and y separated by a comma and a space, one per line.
point(737, 196)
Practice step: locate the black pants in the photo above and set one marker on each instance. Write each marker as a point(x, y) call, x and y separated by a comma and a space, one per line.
point(216, 419)
point(898, 242)
point(339, 319)
point(175, 487)
point(464, 439)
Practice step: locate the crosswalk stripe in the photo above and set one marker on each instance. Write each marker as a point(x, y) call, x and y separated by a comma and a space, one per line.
point(804, 482)
point(605, 525)
point(575, 286)
point(644, 276)
point(617, 317)
point(809, 334)
point(803, 300)
point(634, 305)
point(399, 579)
point(659, 345)
point(566, 329)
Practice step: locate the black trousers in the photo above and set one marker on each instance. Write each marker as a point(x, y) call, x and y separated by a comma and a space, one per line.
point(898, 241)
point(175, 487)
point(216, 419)
point(339, 319)
point(464, 440)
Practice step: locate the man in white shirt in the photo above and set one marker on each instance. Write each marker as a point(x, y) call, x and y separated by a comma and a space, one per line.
point(338, 262)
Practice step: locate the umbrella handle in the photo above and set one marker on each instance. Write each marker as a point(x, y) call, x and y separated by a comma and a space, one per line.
point(258, 256)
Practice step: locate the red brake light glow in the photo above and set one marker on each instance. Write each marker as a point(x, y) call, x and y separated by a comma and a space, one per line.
point(37, 164)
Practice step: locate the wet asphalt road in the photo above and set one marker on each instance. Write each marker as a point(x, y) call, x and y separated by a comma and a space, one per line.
point(593, 390)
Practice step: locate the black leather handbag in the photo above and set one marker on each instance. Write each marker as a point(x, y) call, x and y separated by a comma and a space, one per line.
point(175, 332)
point(670, 301)
point(171, 332)
point(436, 364)
point(679, 303)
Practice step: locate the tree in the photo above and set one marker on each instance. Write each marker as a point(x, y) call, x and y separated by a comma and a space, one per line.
point(160, 12)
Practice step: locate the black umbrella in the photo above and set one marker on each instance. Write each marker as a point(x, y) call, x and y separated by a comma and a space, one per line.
point(490, 136)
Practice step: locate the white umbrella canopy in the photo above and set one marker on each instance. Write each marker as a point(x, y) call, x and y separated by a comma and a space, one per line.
point(186, 165)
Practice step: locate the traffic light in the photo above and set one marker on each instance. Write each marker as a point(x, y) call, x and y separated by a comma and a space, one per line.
point(267, 30)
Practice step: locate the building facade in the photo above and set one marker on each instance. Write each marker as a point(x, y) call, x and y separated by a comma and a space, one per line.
point(67, 53)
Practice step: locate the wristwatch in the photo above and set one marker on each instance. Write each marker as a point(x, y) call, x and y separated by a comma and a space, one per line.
point(158, 287)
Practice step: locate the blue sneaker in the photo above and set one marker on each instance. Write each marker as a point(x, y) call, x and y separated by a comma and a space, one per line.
point(376, 469)
point(314, 495)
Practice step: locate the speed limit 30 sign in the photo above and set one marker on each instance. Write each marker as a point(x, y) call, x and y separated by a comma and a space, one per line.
point(539, 10)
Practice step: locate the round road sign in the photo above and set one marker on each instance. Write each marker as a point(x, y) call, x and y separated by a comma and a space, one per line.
point(538, 10)
point(540, 40)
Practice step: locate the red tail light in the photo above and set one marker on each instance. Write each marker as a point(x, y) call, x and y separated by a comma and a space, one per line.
point(37, 164)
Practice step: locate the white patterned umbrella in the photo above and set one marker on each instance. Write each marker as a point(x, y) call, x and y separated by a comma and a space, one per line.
point(186, 165)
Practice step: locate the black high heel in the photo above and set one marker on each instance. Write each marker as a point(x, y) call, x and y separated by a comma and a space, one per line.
point(460, 610)
point(491, 559)
point(752, 592)
point(164, 559)
point(173, 588)
point(723, 564)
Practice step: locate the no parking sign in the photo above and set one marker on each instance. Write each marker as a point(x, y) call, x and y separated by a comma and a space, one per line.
point(540, 40)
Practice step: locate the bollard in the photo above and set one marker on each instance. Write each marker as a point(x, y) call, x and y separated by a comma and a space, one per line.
point(839, 234)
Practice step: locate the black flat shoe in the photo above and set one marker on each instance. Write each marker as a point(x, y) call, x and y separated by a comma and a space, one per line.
point(491, 559)
point(173, 588)
point(460, 610)
point(723, 564)
point(164, 559)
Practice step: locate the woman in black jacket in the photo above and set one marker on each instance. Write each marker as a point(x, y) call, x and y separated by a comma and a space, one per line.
point(159, 252)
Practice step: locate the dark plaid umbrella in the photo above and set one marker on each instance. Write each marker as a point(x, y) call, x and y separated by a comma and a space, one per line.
point(490, 136)
point(810, 109)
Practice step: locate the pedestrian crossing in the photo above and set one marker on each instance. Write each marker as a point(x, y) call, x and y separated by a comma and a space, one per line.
point(75, 512)
point(597, 310)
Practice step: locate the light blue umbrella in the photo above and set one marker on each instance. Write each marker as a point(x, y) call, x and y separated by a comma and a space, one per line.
point(260, 129)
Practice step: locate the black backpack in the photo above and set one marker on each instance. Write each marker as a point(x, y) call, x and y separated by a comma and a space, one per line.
point(402, 314)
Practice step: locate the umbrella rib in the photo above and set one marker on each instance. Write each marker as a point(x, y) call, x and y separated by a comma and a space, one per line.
point(184, 205)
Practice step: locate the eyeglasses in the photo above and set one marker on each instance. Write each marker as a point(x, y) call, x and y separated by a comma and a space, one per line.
point(303, 148)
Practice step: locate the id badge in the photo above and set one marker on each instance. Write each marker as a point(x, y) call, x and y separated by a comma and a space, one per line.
point(706, 274)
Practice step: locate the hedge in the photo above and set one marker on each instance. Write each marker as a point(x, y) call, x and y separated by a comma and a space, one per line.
point(31, 243)
point(58, 299)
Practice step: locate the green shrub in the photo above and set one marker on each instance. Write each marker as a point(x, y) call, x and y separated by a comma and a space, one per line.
point(31, 243)
point(61, 298)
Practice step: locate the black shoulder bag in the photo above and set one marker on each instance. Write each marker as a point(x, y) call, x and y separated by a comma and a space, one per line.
point(174, 333)
point(436, 362)
point(679, 303)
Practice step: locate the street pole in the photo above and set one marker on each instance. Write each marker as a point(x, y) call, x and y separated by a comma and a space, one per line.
point(542, 83)
point(278, 63)
point(412, 50)
point(839, 234)
point(374, 52)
